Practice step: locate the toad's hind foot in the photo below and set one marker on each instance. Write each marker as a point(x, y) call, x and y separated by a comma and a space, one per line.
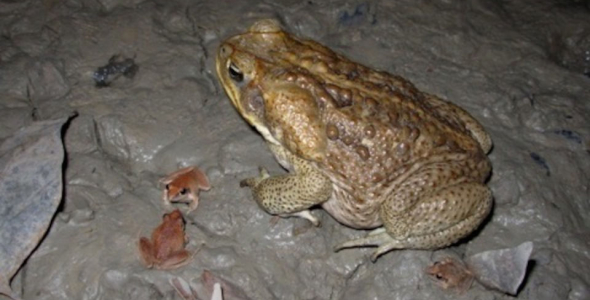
point(305, 214)
point(377, 237)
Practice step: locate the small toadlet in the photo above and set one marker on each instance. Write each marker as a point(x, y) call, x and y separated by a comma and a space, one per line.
point(502, 269)
point(451, 273)
point(184, 185)
point(165, 250)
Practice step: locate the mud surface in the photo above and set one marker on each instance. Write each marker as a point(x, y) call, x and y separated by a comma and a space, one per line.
point(521, 69)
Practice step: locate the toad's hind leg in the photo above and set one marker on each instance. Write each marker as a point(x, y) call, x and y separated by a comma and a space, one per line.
point(146, 252)
point(291, 194)
point(449, 111)
point(176, 260)
point(438, 219)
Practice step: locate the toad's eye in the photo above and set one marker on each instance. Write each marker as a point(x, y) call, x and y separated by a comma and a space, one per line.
point(183, 191)
point(167, 187)
point(235, 73)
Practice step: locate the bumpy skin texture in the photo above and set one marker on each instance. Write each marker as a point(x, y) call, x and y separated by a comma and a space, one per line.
point(366, 145)
point(166, 248)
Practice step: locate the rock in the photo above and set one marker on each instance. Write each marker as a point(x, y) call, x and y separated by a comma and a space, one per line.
point(502, 269)
point(46, 82)
point(30, 192)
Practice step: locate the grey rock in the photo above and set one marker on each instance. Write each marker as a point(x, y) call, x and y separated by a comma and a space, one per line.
point(46, 82)
point(30, 192)
point(502, 269)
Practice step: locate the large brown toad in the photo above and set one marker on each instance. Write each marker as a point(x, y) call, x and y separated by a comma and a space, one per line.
point(366, 145)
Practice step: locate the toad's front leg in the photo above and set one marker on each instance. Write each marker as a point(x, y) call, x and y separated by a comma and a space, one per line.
point(291, 194)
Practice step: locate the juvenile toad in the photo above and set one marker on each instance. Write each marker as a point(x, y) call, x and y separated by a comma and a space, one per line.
point(184, 185)
point(166, 248)
point(450, 273)
point(365, 145)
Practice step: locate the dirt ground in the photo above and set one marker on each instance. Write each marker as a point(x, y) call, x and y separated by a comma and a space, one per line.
point(521, 68)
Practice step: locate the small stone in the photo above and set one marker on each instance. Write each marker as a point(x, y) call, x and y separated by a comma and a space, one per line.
point(502, 269)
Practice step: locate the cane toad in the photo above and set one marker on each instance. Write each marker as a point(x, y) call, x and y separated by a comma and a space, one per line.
point(365, 145)
point(166, 248)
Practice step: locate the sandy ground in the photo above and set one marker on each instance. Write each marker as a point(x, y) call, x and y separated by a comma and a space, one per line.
point(521, 69)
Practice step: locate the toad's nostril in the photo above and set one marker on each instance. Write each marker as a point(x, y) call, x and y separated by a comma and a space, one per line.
point(225, 51)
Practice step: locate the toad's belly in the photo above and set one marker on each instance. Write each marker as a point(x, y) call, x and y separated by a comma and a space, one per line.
point(345, 209)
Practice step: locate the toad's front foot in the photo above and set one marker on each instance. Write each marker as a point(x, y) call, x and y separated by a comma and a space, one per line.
point(252, 182)
point(290, 195)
